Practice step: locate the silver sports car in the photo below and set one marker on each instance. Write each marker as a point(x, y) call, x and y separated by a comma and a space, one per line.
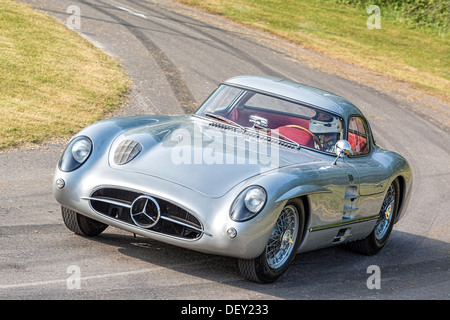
point(266, 168)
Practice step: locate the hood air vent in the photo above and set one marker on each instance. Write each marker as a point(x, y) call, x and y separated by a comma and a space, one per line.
point(126, 151)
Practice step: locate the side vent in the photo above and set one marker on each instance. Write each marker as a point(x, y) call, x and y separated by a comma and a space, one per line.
point(126, 151)
point(350, 201)
point(342, 235)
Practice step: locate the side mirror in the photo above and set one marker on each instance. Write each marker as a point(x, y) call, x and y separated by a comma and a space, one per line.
point(342, 147)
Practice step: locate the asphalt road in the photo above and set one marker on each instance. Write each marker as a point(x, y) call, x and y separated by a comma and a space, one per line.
point(175, 57)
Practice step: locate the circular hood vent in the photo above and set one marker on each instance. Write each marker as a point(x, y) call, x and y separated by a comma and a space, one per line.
point(126, 151)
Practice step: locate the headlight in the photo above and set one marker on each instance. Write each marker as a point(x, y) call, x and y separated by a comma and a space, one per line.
point(248, 203)
point(76, 153)
point(81, 149)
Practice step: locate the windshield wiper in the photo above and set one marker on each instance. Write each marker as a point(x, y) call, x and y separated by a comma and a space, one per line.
point(216, 116)
point(278, 134)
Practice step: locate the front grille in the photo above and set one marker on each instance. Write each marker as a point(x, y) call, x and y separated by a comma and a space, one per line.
point(174, 220)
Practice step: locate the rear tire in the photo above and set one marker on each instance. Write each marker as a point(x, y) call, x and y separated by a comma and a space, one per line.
point(281, 247)
point(80, 224)
point(372, 244)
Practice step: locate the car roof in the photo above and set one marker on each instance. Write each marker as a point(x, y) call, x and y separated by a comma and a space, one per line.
point(297, 91)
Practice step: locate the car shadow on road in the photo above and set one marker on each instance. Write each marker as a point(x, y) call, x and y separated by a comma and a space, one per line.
point(331, 273)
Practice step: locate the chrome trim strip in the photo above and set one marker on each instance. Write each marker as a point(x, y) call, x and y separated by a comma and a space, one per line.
point(185, 225)
point(117, 203)
point(343, 223)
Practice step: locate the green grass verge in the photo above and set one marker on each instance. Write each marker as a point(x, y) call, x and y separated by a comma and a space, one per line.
point(419, 56)
point(52, 81)
point(433, 15)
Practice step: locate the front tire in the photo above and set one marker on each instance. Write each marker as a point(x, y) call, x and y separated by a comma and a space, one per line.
point(281, 247)
point(383, 227)
point(80, 224)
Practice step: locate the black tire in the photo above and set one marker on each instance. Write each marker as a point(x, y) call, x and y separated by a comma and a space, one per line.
point(80, 224)
point(266, 268)
point(378, 238)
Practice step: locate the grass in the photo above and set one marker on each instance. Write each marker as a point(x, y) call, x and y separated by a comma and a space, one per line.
point(417, 56)
point(52, 81)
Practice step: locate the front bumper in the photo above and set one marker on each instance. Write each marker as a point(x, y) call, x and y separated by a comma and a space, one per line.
point(212, 214)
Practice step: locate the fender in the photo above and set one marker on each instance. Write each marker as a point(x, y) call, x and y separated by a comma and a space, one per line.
point(301, 191)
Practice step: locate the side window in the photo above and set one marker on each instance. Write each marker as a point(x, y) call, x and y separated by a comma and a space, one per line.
point(358, 136)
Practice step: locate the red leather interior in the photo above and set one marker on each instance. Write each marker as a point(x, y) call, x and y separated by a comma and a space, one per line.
point(299, 136)
point(277, 121)
point(358, 143)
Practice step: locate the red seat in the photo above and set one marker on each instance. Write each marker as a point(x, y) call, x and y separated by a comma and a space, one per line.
point(358, 143)
point(301, 137)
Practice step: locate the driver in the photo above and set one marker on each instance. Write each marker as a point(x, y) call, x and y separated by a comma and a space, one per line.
point(327, 129)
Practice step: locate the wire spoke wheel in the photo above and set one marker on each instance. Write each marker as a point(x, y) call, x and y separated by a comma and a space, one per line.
point(386, 213)
point(281, 242)
point(281, 247)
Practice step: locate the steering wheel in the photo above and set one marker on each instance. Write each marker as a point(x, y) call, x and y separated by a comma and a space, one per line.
point(304, 129)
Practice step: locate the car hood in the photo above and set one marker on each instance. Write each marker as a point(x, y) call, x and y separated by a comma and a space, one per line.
point(202, 155)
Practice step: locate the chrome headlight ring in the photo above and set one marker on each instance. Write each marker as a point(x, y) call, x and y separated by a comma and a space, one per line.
point(75, 154)
point(248, 203)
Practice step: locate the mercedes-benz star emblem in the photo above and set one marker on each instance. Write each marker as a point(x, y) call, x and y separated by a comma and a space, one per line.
point(145, 212)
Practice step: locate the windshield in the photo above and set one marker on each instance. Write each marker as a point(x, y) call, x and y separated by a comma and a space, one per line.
point(307, 126)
